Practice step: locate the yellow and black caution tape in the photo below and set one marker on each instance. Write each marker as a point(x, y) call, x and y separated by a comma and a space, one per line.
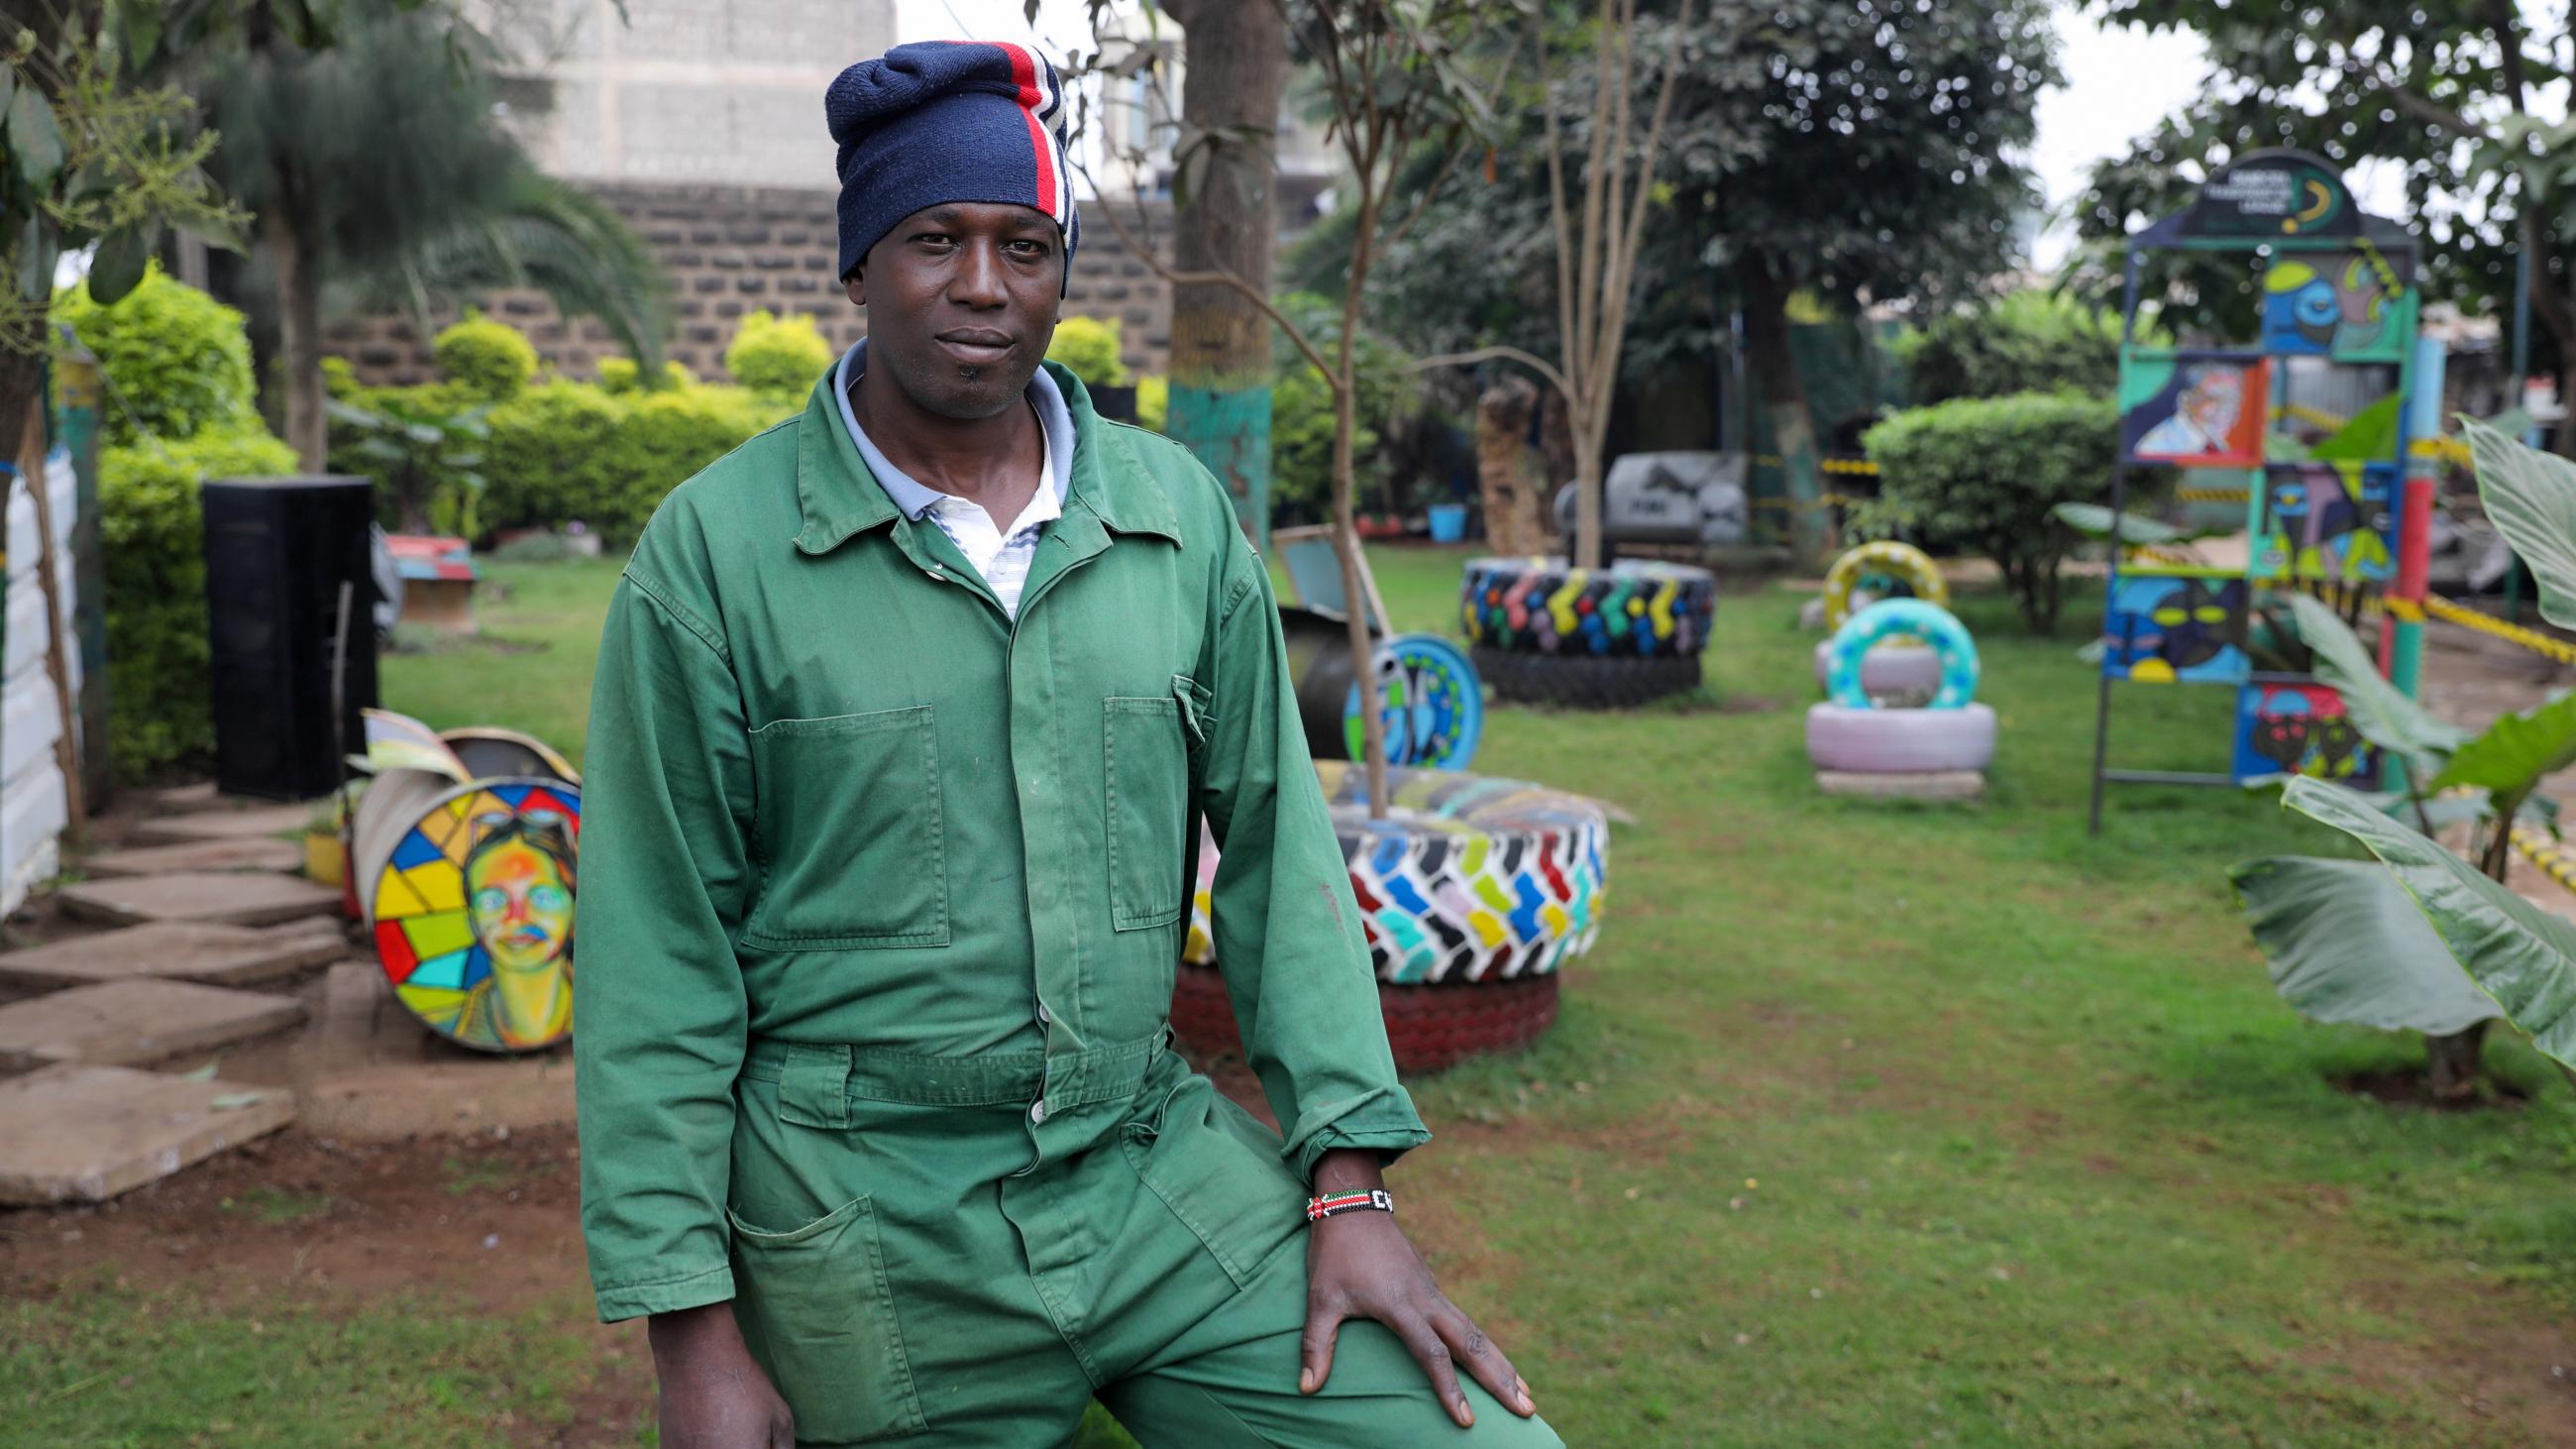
point(1861, 466)
point(1829, 500)
point(2547, 645)
point(2214, 495)
point(2552, 858)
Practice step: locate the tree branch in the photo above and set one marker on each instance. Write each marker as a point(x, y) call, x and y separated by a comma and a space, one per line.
point(1533, 362)
point(1214, 278)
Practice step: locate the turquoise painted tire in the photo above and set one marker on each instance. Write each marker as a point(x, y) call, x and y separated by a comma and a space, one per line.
point(1908, 618)
point(1894, 668)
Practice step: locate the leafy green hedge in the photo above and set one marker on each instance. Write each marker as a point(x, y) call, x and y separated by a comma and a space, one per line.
point(177, 361)
point(160, 692)
point(1089, 348)
point(492, 360)
point(772, 354)
point(1985, 473)
point(567, 450)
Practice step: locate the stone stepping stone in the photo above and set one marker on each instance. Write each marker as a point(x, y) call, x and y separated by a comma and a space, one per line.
point(215, 954)
point(1918, 785)
point(236, 899)
point(125, 1023)
point(258, 853)
point(252, 824)
point(199, 796)
point(81, 1133)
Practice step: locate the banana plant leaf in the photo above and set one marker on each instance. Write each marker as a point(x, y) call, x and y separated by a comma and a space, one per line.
point(2515, 752)
point(2384, 716)
point(2531, 499)
point(2095, 521)
point(2345, 944)
point(2519, 954)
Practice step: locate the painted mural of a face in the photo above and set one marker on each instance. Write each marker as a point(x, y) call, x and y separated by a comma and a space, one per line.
point(2211, 404)
point(518, 898)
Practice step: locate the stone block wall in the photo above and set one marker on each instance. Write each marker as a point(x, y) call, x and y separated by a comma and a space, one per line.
point(731, 250)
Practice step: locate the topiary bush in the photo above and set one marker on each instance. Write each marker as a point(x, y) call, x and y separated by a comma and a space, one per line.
point(777, 354)
point(1089, 347)
point(563, 450)
point(1988, 472)
point(492, 360)
point(177, 361)
point(621, 375)
point(1153, 402)
point(154, 545)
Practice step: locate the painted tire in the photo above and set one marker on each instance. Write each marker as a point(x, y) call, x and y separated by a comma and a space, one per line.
point(1585, 681)
point(1891, 669)
point(1468, 880)
point(1635, 609)
point(1891, 619)
point(415, 863)
point(1434, 704)
point(1900, 741)
point(1901, 561)
point(1429, 1027)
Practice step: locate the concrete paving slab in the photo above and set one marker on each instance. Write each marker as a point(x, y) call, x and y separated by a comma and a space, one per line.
point(236, 899)
point(258, 853)
point(127, 1023)
point(1923, 785)
point(215, 954)
point(366, 1070)
point(221, 824)
point(81, 1133)
point(199, 796)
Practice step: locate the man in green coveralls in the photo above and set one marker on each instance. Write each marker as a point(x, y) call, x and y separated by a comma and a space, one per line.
point(906, 715)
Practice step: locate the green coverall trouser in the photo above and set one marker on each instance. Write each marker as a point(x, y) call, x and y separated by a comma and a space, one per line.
point(900, 1276)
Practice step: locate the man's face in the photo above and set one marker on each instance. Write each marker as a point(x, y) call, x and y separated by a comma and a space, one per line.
point(962, 300)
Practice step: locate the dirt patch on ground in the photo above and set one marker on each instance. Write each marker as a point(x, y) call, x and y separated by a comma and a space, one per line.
point(2413, 1087)
point(2514, 1381)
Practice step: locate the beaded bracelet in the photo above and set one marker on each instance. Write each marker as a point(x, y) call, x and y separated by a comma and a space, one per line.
point(1375, 1200)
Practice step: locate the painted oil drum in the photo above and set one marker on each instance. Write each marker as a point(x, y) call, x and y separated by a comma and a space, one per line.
point(1892, 619)
point(1469, 879)
point(1635, 608)
point(468, 894)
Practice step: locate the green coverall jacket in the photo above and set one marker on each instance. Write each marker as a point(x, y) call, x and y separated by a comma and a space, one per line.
point(835, 798)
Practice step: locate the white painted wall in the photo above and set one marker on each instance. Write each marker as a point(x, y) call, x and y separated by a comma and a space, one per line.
point(33, 803)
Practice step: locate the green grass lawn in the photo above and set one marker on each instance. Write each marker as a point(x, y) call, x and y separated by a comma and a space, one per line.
point(1864, 1123)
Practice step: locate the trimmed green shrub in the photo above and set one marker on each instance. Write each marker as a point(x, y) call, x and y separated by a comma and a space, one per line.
point(156, 591)
point(492, 360)
point(621, 375)
point(177, 361)
point(1089, 346)
point(777, 354)
point(562, 450)
point(1987, 473)
point(1153, 402)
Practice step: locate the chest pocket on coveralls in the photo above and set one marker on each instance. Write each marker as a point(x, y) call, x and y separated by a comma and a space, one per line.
point(851, 833)
point(1150, 745)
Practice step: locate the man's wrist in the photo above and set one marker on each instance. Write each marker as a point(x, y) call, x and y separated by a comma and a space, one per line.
point(1347, 1170)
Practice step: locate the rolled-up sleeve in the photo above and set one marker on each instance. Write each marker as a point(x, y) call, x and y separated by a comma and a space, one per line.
point(1288, 937)
point(658, 997)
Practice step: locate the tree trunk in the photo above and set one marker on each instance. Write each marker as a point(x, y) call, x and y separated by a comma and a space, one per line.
point(1506, 474)
point(1220, 370)
point(299, 316)
point(2451, 1063)
point(1784, 399)
point(1345, 482)
point(22, 382)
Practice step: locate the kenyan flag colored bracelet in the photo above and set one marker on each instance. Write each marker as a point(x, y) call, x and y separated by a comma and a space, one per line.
point(1375, 1200)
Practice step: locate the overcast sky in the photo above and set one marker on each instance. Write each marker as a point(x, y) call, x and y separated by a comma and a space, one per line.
point(2119, 83)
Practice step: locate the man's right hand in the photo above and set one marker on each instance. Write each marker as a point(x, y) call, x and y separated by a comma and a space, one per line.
point(713, 1395)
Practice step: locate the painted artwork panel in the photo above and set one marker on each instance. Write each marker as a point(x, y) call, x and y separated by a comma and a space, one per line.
point(2327, 523)
point(2186, 628)
point(2298, 728)
point(473, 917)
point(2357, 305)
point(2193, 409)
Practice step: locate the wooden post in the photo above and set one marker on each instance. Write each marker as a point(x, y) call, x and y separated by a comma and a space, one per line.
point(31, 467)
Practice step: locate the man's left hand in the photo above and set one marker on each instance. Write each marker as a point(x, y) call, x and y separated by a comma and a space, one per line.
point(1361, 1265)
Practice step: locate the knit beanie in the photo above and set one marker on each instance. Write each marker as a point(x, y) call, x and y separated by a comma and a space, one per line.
point(948, 120)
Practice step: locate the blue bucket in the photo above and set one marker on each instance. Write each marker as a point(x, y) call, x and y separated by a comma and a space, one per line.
point(1448, 522)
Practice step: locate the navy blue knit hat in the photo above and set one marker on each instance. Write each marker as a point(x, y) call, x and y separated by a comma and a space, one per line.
point(942, 121)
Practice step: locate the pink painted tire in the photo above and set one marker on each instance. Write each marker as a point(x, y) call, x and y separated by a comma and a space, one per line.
point(1890, 669)
point(1900, 741)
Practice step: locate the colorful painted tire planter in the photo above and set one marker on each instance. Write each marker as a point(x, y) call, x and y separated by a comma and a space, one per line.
point(1892, 671)
point(1851, 734)
point(1543, 632)
point(1861, 575)
point(468, 893)
point(1470, 887)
